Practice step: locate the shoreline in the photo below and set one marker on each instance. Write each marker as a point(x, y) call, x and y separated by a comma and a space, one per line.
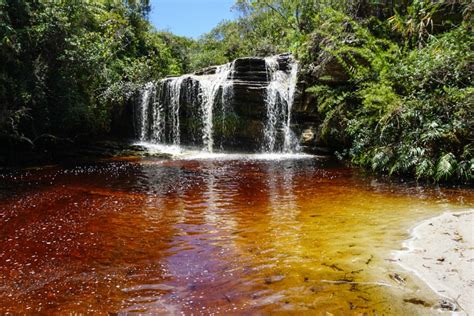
point(440, 252)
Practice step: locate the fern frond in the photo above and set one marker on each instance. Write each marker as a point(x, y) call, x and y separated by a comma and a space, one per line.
point(445, 167)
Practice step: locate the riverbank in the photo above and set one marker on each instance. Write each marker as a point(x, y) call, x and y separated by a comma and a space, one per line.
point(441, 253)
point(48, 149)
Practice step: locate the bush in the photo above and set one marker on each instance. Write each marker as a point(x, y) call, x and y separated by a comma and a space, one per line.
point(402, 112)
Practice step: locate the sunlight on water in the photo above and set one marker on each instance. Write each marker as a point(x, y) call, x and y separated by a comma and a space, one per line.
point(221, 234)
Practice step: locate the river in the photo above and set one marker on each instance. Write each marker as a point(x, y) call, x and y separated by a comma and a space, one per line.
point(215, 234)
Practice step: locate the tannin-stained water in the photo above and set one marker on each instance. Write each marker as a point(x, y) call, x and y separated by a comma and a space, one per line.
point(224, 236)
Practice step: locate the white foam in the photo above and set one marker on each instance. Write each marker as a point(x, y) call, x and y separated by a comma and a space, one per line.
point(188, 153)
point(161, 148)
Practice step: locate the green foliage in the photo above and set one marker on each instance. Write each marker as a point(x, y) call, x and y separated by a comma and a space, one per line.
point(268, 27)
point(416, 25)
point(222, 45)
point(333, 103)
point(264, 28)
point(405, 113)
point(60, 58)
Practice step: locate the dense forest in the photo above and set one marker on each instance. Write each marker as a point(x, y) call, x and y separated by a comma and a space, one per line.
point(391, 79)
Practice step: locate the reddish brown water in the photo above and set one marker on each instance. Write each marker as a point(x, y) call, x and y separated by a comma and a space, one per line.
point(234, 236)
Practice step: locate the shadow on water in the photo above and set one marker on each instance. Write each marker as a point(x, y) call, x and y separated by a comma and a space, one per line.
point(222, 234)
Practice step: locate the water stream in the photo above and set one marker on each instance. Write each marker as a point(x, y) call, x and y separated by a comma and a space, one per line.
point(279, 100)
point(210, 86)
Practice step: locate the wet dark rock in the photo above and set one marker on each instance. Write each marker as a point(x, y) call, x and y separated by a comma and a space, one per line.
point(251, 70)
point(108, 149)
point(448, 305)
point(137, 148)
point(132, 153)
point(51, 142)
point(318, 150)
point(417, 301)
point(250, 64)
point(250, 80)
point(284, 60)
point(206, 71)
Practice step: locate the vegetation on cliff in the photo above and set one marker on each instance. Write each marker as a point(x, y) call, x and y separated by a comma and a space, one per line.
point(392, 80)
point(402, 110)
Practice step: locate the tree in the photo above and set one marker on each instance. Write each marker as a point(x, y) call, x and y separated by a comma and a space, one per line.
point(59, 59)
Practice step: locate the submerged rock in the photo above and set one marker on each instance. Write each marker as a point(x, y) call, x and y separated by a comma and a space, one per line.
point(274, 279)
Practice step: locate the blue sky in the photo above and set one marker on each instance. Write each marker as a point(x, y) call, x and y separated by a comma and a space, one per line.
point(190, 18)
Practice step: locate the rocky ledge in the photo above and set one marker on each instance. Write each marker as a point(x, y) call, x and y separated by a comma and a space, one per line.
point(18, 151)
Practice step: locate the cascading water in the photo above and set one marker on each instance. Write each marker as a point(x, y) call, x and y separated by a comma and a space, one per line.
point(159, 118)
point(226, 98)
point(291, 142)
point(199, 109)
point(278, 136)
point(175, 91)
point(159, 111)
point(145, 95)
point(210, 86)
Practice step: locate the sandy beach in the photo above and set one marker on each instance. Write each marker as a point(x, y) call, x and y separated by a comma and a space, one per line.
point(441, 253)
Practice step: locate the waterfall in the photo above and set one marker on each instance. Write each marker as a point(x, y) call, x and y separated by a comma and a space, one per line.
point(158, 117)
point(291, 142)
point(160, 103)
point(159, 111)
point(146, 94)
point(175, 91)
point(278, 136)
point(226, 99)
point(211, 107)
point(210, 86)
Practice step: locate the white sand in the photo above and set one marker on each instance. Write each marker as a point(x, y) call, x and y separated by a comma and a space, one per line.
point(441, 253)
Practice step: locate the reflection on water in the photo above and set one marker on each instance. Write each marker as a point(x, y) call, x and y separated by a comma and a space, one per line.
point(230, 234)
